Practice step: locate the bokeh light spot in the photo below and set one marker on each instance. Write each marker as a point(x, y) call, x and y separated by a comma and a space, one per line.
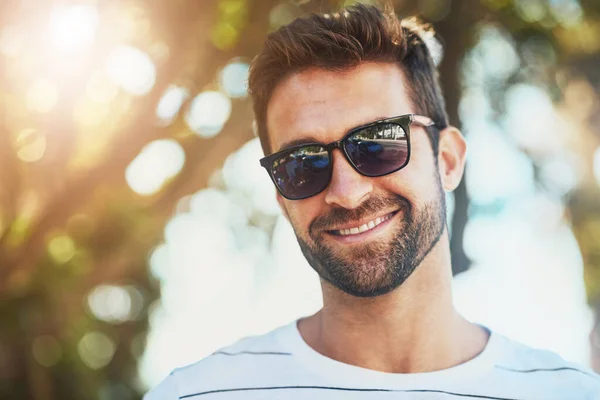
point(220, 206)
point(224, 36)
point(496, 52)
point(159, 262)
point(497, 170)
point(157, 162)
point(530, 10)
point(115, 304)
point(131, 69)
point(46, 350)
point(96, 349)
point(242, 174)
point(560, 175)
point(31, 145)
point(61, 249)
point(234, 79)
point(531, 119)
point(137, 303)
point(566, 12)
point(73, 27)
point(208, 113)
point(170, 103)
point(42, 96)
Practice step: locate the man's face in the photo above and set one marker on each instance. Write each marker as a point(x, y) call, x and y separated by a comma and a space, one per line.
point(404, 211)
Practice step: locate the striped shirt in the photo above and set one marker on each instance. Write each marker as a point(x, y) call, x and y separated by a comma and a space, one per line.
point(280, 365)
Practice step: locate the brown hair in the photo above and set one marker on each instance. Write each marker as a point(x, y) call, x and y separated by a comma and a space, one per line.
point(342, 41)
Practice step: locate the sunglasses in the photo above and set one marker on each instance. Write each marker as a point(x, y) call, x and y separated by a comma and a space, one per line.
point(376, 149)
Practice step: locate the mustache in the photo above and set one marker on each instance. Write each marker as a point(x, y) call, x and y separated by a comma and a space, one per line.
point(340, 215)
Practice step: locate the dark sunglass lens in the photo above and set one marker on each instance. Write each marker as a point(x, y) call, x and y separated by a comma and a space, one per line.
point(379, 149)
point(302, 172)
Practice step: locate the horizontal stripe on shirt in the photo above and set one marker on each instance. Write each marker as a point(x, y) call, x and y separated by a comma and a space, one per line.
point(346, 389)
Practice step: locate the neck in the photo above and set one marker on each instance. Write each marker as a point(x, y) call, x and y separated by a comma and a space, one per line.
point(414, 328)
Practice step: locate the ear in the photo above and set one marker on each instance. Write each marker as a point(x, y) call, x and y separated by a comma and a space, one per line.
point(282, 205)
point(452, 155)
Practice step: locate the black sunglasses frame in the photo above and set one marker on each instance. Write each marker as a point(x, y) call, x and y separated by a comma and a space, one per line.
point(403, 121)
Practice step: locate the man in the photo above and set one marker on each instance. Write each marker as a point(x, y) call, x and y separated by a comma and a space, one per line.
point(351, 117)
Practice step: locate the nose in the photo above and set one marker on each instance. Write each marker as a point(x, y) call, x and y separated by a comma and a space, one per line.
point(347, 188)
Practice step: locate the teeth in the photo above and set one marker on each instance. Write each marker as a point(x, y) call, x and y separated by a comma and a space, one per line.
point(363, 228)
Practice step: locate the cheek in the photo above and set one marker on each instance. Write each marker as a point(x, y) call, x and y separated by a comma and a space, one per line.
point(418, 181)
point(302, 212)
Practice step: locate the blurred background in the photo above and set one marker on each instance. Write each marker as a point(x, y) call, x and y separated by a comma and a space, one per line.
point(138, 232)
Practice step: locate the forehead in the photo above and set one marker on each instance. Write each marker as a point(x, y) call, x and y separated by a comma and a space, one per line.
point(319, 105)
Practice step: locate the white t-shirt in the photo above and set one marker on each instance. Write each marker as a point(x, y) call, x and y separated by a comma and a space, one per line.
point(280, 365)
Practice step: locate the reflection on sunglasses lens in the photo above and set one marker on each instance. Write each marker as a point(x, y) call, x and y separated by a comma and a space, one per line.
point(302, 172)
point(378, 150)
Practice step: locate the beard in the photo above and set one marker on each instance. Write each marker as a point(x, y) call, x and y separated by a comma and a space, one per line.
point(381, 265)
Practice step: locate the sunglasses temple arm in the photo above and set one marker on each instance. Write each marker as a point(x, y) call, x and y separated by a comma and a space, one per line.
point(421, 120)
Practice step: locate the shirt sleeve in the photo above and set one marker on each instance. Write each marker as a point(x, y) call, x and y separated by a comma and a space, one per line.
point(166, 390)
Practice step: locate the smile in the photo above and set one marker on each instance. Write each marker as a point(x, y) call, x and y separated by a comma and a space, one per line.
point(364, 227)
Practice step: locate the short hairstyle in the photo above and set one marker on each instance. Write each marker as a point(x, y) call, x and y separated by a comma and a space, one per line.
point(340, 42)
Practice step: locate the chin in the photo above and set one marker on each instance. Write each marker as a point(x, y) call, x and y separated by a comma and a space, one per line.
point(365, 291)
point(364, 280)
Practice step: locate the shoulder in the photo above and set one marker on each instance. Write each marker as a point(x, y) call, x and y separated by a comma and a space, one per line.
point(544, 368)
point(241, 360)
